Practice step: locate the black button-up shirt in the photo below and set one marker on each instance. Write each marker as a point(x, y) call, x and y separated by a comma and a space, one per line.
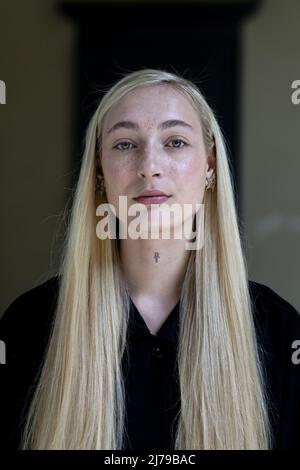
point(151, 382)
point(151, 377)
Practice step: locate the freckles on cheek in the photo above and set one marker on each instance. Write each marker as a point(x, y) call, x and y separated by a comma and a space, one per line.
point(111, 166)
point(118, 175)
point(194, 179)
point(193, 172)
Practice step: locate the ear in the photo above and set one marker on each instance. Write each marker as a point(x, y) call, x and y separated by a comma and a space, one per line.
point(211, 163)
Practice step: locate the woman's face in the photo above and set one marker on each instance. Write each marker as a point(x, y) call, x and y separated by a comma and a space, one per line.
point(152, 139)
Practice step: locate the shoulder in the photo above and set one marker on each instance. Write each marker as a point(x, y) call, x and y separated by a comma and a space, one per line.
point(30, 311)
point(277, 325)
point(25, 327)
point(271, 311)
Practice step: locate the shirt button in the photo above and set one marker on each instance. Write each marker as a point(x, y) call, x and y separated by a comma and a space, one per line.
point(157, 352)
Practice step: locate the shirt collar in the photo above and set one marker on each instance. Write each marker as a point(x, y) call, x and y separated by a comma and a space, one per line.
point(168, 330)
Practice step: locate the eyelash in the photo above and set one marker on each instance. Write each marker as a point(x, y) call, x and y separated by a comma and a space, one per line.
point(126, 142)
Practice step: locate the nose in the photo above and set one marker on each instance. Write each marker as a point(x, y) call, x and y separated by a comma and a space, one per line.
point(149, 162)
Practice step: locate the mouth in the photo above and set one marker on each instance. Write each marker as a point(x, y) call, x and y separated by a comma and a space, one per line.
point(151, 199)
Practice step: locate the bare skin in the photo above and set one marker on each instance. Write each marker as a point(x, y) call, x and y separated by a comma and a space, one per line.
point(172, 160)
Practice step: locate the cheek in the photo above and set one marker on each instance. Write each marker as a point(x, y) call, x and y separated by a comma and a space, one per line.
point(191, 179)
point(115, 170)
point(118, 177)
point(193, 172)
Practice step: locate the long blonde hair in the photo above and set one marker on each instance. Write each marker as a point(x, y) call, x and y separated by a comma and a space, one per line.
point(79, 400)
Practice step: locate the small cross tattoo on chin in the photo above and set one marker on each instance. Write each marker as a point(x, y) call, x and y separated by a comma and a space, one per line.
point(156, 256)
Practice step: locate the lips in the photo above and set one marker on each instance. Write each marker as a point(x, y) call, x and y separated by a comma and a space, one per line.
point(152, 196)
point(152, 199)
point(152, 192)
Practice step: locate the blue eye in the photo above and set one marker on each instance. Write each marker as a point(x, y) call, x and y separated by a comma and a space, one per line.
point(122, 143)
point(180, 142)
point(124, 146)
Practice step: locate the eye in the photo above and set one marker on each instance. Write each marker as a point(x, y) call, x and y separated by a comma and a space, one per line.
point(179, 143)
point(125, 145)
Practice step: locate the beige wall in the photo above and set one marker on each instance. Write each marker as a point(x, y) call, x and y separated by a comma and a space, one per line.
point(270, 147)
point(36, 124)
point(35, 139)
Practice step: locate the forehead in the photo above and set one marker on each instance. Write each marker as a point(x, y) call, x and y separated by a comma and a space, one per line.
point(149, 105)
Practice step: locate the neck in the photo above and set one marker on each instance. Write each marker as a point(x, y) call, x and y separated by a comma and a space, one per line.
point(154, 268)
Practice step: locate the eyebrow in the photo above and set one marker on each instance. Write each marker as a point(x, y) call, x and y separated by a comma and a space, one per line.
point(162, 126)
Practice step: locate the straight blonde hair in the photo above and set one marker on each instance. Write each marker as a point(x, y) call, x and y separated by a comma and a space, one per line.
point(79, 400)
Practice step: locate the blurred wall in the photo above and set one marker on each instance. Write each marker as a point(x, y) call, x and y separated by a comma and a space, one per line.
point(36, 57)
point(270, 156)
point(37, 51)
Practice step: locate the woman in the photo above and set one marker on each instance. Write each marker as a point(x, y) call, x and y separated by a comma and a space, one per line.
point(154, 345)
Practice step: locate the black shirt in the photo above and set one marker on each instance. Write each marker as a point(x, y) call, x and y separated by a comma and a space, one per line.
point(151, 377)
point(151, 382)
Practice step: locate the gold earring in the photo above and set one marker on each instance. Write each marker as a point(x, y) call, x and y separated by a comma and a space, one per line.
point(210, 184)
